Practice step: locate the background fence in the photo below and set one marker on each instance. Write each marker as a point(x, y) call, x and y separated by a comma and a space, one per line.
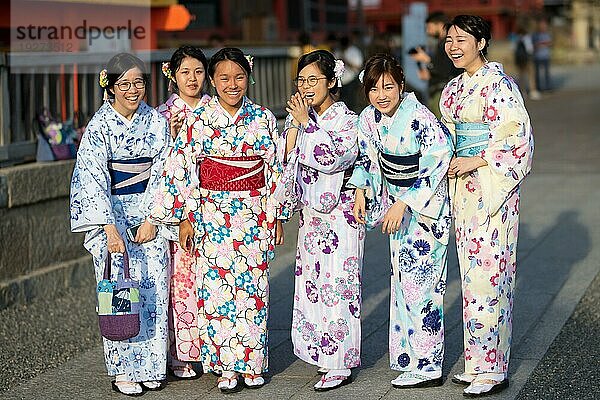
point(67, 86)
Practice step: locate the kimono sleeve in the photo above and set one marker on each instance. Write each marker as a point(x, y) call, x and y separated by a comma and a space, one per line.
point(287, 191)
point(161, 146)
point(428, 194)
point(178, 178)
point(273, 167)
point(510, 147)
point(367, 176)
point(328, 151)
point(90, 199)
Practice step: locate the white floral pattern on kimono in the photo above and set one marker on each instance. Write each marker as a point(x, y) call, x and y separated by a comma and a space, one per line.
point(327, 300)
point(485, 206)
point(109, 136)
point(184, 338)
point(419, 247)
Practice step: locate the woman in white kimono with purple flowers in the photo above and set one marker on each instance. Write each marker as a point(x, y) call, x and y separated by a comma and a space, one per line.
point(319, 146)
point(405, 153)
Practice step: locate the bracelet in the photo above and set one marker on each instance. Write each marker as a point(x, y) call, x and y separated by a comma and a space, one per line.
point(295, 126)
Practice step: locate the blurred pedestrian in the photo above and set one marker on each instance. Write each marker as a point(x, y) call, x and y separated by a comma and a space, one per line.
point(493, 140)
point(401, 183)
point(186, 73)
point(353, 59)
point(542, 45)
point(319, 148)
point(119, 164)
point(524, 63)
point(219, 181)
point(435, 68)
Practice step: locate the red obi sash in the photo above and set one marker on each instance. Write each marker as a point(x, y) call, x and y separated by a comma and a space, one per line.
point(232, 173)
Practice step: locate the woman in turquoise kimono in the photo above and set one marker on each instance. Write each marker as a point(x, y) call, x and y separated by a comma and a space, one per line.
point(119, 163)
point(400, 181)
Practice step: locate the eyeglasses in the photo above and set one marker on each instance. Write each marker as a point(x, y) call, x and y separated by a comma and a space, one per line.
point(311, 80)
point(125, 86)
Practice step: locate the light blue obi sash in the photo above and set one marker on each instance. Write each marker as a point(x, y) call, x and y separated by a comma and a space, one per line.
point(471, 138)
point(129, 176)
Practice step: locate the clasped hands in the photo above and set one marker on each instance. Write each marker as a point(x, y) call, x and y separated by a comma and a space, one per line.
point(463, 165)
point(115, 243)
point(392, 219)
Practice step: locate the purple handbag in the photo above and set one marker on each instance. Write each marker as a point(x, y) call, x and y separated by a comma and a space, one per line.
point(118, 304)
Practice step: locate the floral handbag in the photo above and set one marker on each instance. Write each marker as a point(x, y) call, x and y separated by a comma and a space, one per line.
point(118, 303)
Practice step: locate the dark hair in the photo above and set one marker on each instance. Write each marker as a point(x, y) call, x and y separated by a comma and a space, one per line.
point(180, 54)
point(475, 26)
point(325, 62)
point(378, 65)
point(437, 16)
point(119, 65)
point(231, 54)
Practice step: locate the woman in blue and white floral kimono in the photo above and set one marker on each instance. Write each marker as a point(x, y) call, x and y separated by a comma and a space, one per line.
point(118, 166)
point(405, 153)
point(319, 148)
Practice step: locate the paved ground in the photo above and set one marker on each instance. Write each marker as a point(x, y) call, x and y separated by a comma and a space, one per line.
point(51, 349)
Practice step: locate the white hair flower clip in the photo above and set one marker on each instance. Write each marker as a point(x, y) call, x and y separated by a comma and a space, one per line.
point(166, 70)
point(338, 71)
point(250, 61)
point(361, 76)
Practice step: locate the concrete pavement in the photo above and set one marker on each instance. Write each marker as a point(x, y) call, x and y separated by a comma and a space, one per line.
point(559, 255)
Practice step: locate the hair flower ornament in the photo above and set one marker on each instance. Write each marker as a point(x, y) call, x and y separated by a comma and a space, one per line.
point(250, 61)
point(338, 71)
point(166, 70)
point(103, 79)
point(361, 76)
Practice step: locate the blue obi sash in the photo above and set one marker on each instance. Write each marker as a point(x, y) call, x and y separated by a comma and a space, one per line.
point(400, 171)
point(129, 176)
point(471, 138)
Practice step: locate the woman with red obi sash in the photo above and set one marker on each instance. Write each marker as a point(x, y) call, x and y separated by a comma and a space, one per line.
point(219, 180)
point(186, 73)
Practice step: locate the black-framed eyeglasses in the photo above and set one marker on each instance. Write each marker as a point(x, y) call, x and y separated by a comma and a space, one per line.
point(125, 86)
point(311, 80)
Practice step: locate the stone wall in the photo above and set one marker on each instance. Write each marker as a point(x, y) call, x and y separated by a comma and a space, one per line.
point(39, 256)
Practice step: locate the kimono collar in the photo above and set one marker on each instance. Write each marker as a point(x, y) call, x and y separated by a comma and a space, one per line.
point(485, 69)
point(408, 101)
point(128, 122)
point(232, 118)
point(175, 101)
point(331, 109)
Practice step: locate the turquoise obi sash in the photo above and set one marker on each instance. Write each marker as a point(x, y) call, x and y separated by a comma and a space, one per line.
point(471, 138)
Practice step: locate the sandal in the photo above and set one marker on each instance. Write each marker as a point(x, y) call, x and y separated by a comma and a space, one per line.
point(408, 380)
point(229, 385)
point(184, 372)
point(322, 371)
point(253, 381)
point(484, 387)
point(127, 388)
point(464, 378)
point(343, 380)
point(153, 386)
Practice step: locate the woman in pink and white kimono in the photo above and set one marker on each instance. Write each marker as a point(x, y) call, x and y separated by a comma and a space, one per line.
point(319, 147)
point(490, 126)
point(187, 75)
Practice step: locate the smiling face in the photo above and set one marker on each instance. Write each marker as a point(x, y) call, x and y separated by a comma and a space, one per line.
point(385, 95)
point(127, 100)
point(190, 78)
point(318, 95)
point(463, 49)
point(231, 82)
